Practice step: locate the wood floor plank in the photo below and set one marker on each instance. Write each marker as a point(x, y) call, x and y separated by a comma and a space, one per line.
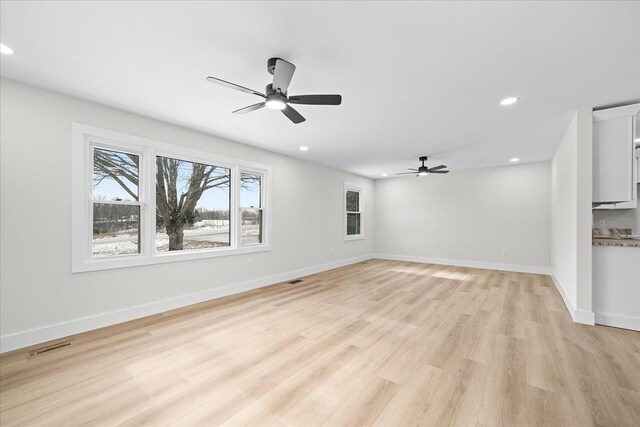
point(504, 394)
point(378, 343)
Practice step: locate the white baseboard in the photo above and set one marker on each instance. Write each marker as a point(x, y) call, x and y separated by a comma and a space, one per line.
point(578, 316)
point(585, 317)
point(76, 326)
point(60, 330)
point(471, 264)
point(618, 321)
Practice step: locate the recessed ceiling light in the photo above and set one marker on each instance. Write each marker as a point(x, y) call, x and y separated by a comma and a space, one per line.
point(509, 101)
point(304, 148)
point(385, 174)
point(5, 50)
point(514, 159)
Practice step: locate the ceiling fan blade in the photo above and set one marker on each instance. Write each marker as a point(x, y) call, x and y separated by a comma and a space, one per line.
point(438, 172)
point(316, 99)
point(435, 168)
point(293, 115)
point(282, 75)
point(412, 169)
point(250, 108)
point(234, 86)
point(406, 173)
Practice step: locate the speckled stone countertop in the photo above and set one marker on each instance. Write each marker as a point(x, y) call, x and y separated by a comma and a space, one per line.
point(615, 237)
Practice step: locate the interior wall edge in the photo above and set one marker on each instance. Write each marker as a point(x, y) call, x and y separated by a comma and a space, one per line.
point(57, 331)
point(578, 316)
point(533, 269)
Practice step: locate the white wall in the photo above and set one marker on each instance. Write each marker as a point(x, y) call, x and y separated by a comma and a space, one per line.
point(37, 288)
point(564, 166)
point(468, 217)
point(584, 309)
point(571, 218)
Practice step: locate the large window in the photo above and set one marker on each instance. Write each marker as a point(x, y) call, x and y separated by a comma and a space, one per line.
point(193, 201)
point(152, 202)
point(353, 212)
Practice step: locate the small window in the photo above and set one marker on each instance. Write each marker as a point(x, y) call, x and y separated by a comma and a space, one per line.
point(193, 201)
point(353, 216)
point(251, 208)
point(115, 203)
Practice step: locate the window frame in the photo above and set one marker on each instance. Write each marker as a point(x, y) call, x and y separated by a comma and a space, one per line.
point(262, 208)
point(101, 144)
point(85, 138)
point(349, 186)
point(177, 155)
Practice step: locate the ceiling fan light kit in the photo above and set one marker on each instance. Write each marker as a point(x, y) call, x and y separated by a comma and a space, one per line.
point(275, 103)
point(275, 96)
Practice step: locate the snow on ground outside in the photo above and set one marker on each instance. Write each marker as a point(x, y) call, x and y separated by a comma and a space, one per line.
point(195, 238)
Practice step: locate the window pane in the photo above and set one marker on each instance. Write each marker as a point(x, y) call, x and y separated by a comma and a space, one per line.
point(250, 190)
point(116, 230)
point(251, 228)
point(115, 175)
point(353, 201)
point(192, 205)
point(353, 224)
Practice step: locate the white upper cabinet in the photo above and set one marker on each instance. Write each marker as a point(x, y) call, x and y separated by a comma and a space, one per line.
point(612, 160)
point(614, 175)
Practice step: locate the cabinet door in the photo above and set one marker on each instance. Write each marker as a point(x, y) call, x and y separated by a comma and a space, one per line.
point(613, 160)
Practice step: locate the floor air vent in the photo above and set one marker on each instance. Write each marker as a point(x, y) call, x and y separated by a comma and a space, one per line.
point(49, 348)
point(293, 282)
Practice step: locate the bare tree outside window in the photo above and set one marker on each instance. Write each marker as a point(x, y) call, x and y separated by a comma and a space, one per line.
point(116, 210)
point(180, 187)
point(136, 201)
point(115, 174)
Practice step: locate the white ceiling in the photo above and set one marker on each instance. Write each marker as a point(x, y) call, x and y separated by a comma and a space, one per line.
point(416, 78)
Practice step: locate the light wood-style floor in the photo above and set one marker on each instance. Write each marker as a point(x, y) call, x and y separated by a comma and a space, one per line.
point(380, 343)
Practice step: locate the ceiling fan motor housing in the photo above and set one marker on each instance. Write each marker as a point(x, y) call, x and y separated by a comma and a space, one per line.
point(272, 94)
point(269, 90)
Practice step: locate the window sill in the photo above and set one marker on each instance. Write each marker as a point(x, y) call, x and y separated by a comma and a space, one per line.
point(354, 237)
point(138, 260)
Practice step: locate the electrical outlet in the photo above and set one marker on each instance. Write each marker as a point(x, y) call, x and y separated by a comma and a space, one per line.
point(601, 222)
point(331, 249)
point(249, 263)
point(411, 245)
point(505, 251)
